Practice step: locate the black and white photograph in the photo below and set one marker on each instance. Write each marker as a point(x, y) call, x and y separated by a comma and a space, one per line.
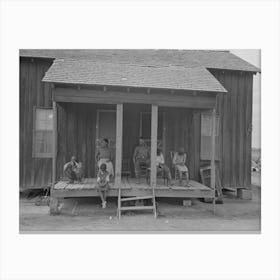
point(139, 140)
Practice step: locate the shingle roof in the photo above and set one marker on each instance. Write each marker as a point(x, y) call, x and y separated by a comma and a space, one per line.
point(81, 71)
point(188, 58)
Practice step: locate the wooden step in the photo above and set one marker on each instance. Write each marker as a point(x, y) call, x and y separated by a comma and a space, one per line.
point(137, 208)
point(136, 198)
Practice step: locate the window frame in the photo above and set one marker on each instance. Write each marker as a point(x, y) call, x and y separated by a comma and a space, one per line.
point(34, 153)
point(217, 138)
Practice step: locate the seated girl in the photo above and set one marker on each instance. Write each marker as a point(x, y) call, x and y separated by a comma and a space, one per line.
point(103, 183)
point(73, 170)
point(179, 162)
point(104, 155)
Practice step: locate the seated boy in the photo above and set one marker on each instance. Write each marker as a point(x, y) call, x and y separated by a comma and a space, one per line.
point(73, 170)
point(103, 178)
point(179, 161)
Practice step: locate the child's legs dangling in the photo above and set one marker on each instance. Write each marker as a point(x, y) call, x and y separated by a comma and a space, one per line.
point(100, 192)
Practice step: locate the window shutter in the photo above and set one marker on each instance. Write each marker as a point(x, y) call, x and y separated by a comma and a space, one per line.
point(205, 143)
point(42, 133)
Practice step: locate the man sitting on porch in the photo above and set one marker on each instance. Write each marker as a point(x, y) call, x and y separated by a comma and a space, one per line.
point(141, 156)
point(105, 155)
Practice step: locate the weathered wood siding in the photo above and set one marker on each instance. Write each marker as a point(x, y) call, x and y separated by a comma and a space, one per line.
point(77, 134)
point(235, 109)
point(34, 172)
point(77, 128)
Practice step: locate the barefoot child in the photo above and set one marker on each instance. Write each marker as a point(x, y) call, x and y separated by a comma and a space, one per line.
point(103, 178)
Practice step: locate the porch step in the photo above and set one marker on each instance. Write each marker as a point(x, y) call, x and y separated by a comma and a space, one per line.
point(137, 208)
point(136, 198)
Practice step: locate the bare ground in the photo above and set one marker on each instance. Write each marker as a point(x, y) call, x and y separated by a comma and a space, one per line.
point(86, 215)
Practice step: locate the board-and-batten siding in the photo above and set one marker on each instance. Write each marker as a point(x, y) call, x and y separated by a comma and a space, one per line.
point(34, 172)
point(235, 109)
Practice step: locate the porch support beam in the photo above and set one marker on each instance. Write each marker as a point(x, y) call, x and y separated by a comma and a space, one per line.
point(114, 97)
point(54, 140)
point(213, 152)
point(154, 127)
point(118, 162)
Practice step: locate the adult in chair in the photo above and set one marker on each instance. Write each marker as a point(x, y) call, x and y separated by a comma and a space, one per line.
point(105, 155)
point(141, 156)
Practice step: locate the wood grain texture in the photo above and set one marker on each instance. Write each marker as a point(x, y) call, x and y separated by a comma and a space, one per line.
point(76, 126)
point(111, 97)
point(236, 109)
point(34, 172)
point(154, 137)
point(119, 139)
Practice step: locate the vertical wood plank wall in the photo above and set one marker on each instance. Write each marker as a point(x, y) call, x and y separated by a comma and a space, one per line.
point(76, 129)
point(34, 172)
point(235, 109)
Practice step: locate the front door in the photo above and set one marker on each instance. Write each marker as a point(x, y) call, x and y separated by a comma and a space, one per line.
point(106, 128)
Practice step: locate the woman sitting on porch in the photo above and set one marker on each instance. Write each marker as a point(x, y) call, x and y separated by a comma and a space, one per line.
point(104, 155)
point(141, 156)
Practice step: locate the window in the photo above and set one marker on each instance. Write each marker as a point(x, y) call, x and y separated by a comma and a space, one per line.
point(206, 130)
point(43, 131)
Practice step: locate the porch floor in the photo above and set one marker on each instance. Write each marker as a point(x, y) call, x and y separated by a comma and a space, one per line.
point(131, 188)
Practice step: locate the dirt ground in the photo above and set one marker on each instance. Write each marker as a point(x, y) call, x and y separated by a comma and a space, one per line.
point(85, 215)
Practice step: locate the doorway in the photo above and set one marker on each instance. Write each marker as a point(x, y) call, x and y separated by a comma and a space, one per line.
point(106, 128)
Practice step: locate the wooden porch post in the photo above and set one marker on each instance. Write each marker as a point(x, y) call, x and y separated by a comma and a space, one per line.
point(118, 162)
point(53, 200)
point(54, 140)
point(213, 155)
point(154, 127)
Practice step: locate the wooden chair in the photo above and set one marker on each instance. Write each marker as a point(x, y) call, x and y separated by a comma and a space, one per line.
point(205, 174)
point(160, 175)
point(126, 171)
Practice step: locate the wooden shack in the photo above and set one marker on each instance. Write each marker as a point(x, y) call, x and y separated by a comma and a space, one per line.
point(70, 99)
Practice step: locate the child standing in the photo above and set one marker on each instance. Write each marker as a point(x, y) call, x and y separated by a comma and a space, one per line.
point(103, 178)
point(179, 161)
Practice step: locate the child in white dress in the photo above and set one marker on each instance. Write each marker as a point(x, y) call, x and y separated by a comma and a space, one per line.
point(179, 161)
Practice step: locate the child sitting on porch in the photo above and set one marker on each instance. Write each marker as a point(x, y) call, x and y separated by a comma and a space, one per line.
point(103, 178)
point(73, 170)
point(179, 161)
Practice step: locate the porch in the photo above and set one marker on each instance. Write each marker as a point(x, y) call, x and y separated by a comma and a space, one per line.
point(131, 188)
point(165, 111)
